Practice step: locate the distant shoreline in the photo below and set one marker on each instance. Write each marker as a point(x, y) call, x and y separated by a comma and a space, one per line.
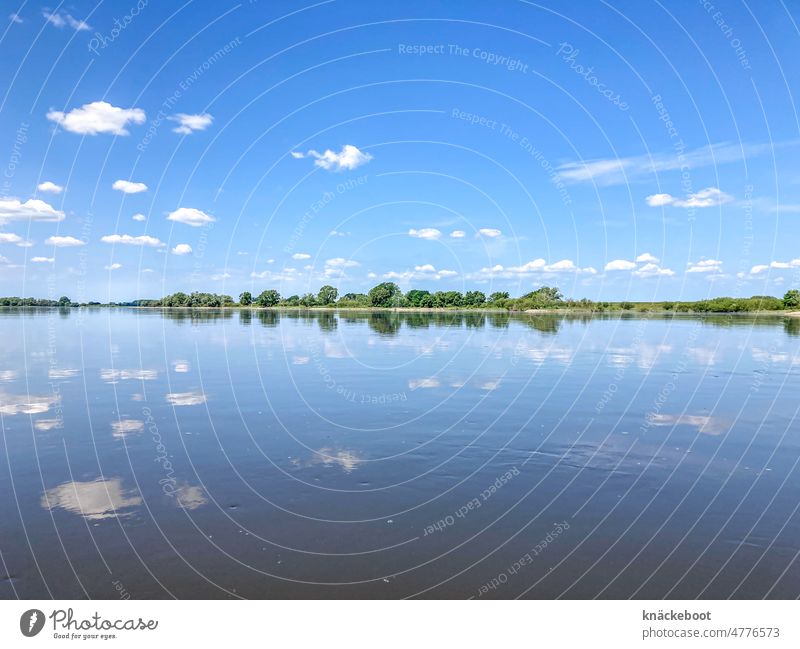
point(336, 309)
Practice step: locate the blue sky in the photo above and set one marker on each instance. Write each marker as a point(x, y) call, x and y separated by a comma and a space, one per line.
point(627, 149)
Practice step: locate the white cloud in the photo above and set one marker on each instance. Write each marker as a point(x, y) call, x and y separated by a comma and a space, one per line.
point(127, 187)
point(492, 233)
point(708, 197)
point(426, 383)
point(219, 277)
point(98, 117)
point(190, 123)
point(9, 237)
point(795, 263)
point(64, 242)
point(458, 234)
point(11, 209)
point(43, 260)
point(616, 171)
point(341, 262)
point(113, 266)
point(62, 19)
point(190, 216)
point(705, 266)
point(299, 256)
point(15, 18)
point(620, 264)
point(139, 217)
point(182, 249)
point(50, 187)
point(760, 268)
point(425, 233)
point(186, 398)
point(653, 270)
point(350, 157)
point(128, 240)
point(421, 271)
point(535, 266)
point(125, 427)
point(646, 257)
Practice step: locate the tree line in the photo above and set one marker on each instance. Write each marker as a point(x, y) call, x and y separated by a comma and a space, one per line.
point(389, 295)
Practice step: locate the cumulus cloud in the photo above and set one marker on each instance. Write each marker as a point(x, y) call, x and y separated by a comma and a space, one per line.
point(299, 256)
point(420, 271)
point(491, 233)
point(705, 266)
point(49, 187)
point(11, 209)
point(535, 266)
point(15, 18)
point(708, 197)
point(190, 216)
point(646, 265)
point(128, 240)
point(350, 157)
point(182, 249)
point(114, 266)
point(127, 187)
point(620, 264)
point(62, 19)
point(646, 257)
point(190, 123)
point(425, 233)
point(43, 260)
point(777, 265)
point(10, 237)
point(653, 270)
point(139, 217)
point(458, 234)
point(98, 117)
point(64, 242)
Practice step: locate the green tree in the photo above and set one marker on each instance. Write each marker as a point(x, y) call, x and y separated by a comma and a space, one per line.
point(792, 299)
point(474, 298)
point(498, 297)
point(64, 301)
point(327, 295)
point(386, 294)
point(309, 299)
point(245, 298)
point(270, 297)
point(416, 297)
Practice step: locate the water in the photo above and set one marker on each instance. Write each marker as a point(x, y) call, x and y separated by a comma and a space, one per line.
point(153, 454)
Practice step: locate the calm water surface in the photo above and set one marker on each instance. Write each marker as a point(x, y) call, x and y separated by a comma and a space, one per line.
point(263, 454)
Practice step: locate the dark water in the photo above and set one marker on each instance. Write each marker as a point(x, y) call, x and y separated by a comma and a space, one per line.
point(264, 454)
